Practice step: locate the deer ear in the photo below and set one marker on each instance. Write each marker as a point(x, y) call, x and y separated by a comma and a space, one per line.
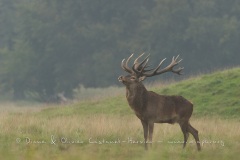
point(142, 78)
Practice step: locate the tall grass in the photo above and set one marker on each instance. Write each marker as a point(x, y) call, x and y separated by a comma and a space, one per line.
point(216, 135)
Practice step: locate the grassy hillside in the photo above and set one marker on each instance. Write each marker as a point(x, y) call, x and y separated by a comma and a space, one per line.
point(213, 94)
point(107, 129)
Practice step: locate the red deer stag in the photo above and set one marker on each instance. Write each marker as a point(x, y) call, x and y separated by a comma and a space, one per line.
point(151, 107)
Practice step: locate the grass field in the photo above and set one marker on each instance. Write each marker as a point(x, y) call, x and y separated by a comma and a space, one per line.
point(106, 128)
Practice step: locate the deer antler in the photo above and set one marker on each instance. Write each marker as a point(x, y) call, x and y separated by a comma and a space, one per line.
point(139, 68)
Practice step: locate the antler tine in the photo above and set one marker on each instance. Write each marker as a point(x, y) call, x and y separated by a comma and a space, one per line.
point(160, 64)
point(122, 64)
point(144, 61)
point(176, 60)
point(178, 71)
point(180, 61)
point(125, 66)
point(145, 66)
point(136, 60)
point(129, 59)
point(177, 57)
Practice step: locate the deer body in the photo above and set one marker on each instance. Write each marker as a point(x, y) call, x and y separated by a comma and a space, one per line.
point(151, 107)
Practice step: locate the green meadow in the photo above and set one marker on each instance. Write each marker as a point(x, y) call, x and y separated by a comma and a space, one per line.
point(106, 128)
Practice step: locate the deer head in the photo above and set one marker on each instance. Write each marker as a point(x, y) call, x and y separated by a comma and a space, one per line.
point(140, 71)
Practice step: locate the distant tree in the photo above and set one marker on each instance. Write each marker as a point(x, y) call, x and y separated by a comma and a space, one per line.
point(51, 46)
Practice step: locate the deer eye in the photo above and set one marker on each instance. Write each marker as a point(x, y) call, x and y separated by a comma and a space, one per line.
point(133, 78)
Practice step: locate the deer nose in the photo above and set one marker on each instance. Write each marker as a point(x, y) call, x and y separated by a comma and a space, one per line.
point(120, 78)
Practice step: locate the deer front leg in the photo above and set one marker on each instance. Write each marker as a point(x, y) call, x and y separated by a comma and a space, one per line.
point(145, 131)
point(150, 128)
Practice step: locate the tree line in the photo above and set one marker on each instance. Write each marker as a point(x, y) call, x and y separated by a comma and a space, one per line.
point(52, 46)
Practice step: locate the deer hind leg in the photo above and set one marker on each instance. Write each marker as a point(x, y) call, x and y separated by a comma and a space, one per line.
point(194, 132)
point(145, 131)
point(184, 127)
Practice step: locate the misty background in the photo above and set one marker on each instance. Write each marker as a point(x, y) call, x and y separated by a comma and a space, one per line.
point(53, 46)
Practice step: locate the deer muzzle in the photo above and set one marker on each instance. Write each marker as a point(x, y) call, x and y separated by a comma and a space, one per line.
point(120, 78)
